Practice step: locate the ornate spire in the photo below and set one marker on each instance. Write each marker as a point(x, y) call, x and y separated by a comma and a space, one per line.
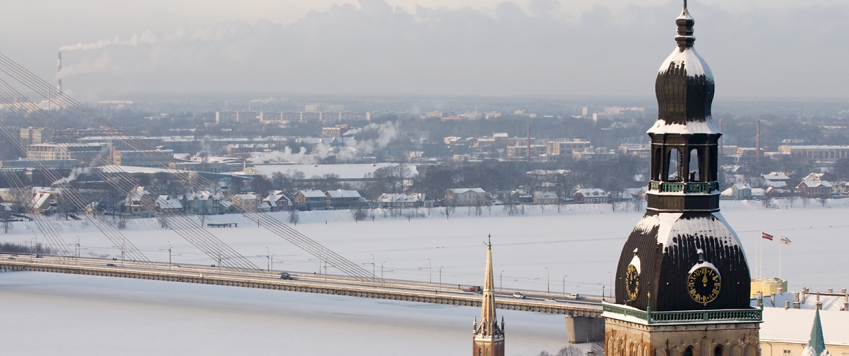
point(488, 304)
point(489, 336)
point(685, 24)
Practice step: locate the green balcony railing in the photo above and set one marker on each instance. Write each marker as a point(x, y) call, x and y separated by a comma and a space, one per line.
point(683, 317)
point(689, 188)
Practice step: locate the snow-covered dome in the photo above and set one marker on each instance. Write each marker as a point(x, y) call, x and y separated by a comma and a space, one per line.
point(684, 86)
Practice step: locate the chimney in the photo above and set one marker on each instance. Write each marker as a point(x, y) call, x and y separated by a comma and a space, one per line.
point(802, 298)
point(59, 72)
point(758, 141)
point(528, 154)
point(786, 305)
point(796, 304)
point(830, 290)
point(819, 303)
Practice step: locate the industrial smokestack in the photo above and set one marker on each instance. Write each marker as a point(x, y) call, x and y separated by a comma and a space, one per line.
point(528, 153)
point(758, 141)
point(59, 72)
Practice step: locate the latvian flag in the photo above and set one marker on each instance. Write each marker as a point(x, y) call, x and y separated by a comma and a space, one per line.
point(785, 240)
point(766, 236)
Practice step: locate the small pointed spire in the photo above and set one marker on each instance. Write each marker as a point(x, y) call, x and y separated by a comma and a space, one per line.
point(817, 342)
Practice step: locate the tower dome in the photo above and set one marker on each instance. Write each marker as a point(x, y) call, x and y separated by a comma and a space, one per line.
point(683, 255)
point(684, 86)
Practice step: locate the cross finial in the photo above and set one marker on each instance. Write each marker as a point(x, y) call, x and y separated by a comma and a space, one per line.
point(489, 240)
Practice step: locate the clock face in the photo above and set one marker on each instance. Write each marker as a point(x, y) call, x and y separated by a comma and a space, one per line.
point(632, 282)
point(704, 285)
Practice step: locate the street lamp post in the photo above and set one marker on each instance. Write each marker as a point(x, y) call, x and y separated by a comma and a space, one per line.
point(501, 282)
point(440, 277)
point(548, 279)
point(564, 287)
point(429, 271)
point(610, 292)
point(267, 253)
point(373, 275)
point(169, 255)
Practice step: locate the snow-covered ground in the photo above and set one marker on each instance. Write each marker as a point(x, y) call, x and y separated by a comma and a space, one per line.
point(534, 251)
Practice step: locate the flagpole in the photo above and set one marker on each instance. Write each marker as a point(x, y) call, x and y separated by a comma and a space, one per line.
point(779, 257)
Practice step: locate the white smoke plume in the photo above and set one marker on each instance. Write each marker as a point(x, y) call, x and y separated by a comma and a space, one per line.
point(147, 38)
point(285, 156)
point(75, 173)
point(87, 65)
point(355, 149)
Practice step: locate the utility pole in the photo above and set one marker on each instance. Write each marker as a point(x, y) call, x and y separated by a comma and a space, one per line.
point(548, 279)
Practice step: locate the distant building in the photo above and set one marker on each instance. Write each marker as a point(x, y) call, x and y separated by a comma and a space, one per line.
point(556, 148)
point(141, 158)
point(591, 196)
point(546, 197)
point(466, 196)
point(276, 201)
point(341, 198)
point(819, 152)
point(741, 191)
point(813, 186)
point(248, 203)
point(226, 117)
point(522, 151)
point(84, 152)
point(334, 131)
point(138, 202)
point(165, 204)
point(310, 199)
point(399, 200)
point(203, 203)
point(30, 135)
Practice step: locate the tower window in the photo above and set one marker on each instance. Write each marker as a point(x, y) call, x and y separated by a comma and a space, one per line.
point(694, 166)
point(688, 352)
point(674, 164)
point(717, 351)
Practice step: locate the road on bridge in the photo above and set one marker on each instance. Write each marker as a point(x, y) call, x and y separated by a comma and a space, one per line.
point(533, 301)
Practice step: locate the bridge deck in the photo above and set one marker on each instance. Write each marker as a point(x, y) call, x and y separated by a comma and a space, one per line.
point(306, 283)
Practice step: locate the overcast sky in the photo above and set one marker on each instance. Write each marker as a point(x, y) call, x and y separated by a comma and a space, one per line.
point(777, 48)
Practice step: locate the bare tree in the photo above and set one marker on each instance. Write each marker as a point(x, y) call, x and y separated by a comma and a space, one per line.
point(293, 217)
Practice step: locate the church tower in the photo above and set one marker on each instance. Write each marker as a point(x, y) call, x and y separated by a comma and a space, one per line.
point(682, 283)
point(488, 336)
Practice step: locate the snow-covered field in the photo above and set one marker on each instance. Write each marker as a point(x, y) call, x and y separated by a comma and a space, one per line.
point(537, 250)
point(534, 251)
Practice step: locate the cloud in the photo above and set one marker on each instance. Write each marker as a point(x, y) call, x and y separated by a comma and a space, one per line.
point(514, 49)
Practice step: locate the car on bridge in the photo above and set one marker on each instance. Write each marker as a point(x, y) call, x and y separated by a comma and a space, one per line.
point(518, 295)
point(286, 275)
point(476, 289)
